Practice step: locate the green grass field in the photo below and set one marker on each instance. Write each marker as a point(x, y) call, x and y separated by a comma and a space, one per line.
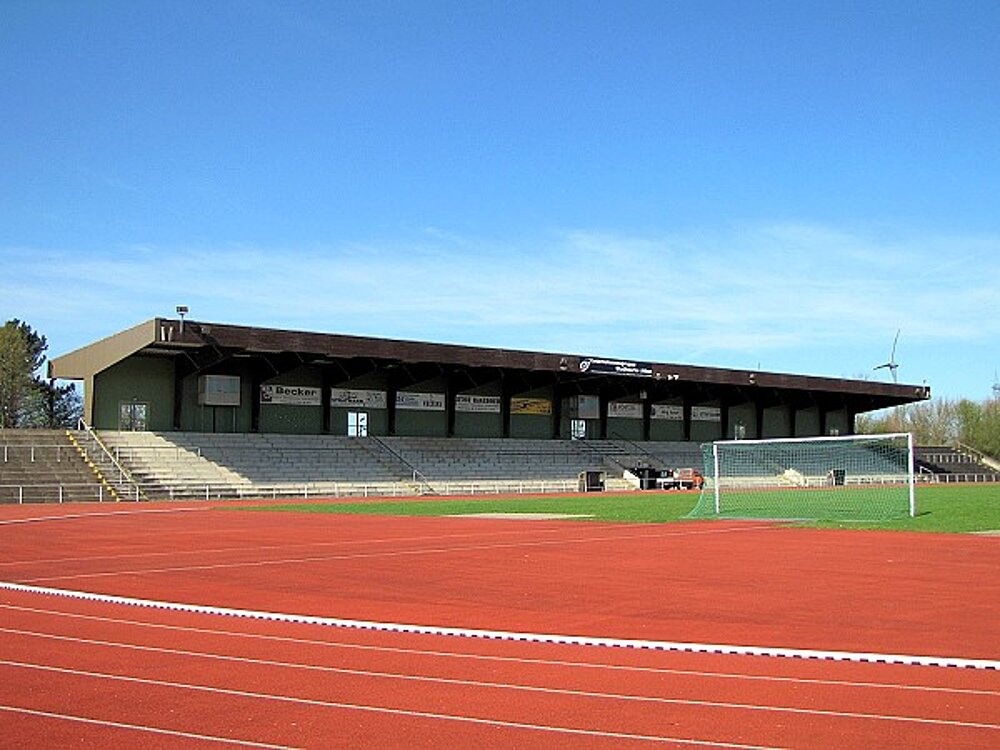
point(940, 508)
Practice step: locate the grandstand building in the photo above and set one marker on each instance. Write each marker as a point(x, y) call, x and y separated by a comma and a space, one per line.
point(179, 375)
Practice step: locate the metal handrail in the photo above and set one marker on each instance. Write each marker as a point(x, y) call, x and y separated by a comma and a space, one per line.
point(124, 477)
point(418, 477)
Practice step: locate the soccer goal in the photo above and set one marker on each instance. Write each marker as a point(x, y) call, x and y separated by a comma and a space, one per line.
point(855, 477)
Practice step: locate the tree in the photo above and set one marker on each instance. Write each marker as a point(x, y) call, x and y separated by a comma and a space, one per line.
point(942, 422)
point(16, 382)
point(64, 405)
point(26, 400)
point(981, 425)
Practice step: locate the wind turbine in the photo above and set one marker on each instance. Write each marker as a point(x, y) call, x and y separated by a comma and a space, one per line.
point(892, 365)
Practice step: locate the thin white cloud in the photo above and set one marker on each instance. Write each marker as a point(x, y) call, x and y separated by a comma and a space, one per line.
point(803, 296)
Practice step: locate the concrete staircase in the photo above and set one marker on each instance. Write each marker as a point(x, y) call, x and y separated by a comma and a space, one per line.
point(46, 466)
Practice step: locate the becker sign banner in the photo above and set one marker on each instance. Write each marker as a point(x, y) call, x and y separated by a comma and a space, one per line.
point(290, 395)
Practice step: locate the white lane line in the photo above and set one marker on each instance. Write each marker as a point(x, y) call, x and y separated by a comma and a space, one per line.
point(101, 514)
point(140, 728)
point(380, 709)
point(256, 549)
point(361, 556)
point(516, 687)
point(506, 635)
point(556, 529)
point(458, 655)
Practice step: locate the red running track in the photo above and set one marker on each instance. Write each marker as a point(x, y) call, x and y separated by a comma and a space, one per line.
point(95, 674)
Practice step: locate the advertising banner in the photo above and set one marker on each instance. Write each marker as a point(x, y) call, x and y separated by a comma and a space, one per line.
point(358, 398)
point(414, 401)
point(672, 412)
point(540, 406)
point(706, 414)
point(465, 402)
point(290, 395)
point(625, 409)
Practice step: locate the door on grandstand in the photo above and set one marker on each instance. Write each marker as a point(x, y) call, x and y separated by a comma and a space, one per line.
point(133, 416)
point(357, 424)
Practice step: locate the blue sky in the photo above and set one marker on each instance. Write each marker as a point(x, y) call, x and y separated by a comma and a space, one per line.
point(772, 185)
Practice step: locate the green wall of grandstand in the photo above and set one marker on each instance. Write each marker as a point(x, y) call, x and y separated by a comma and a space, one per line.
point(136, 380)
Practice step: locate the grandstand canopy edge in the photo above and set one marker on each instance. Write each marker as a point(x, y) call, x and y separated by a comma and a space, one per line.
point(168, 374)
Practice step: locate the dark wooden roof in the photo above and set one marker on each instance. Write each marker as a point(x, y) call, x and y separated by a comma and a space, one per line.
point(219, 341)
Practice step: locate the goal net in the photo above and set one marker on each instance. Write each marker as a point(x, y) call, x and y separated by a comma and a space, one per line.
point(856, 477)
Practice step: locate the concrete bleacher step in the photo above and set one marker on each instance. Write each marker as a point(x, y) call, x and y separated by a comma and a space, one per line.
point(38, 465)
point(387, 464)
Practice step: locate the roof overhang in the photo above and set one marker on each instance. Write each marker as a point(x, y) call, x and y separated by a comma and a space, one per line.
point(173, 337)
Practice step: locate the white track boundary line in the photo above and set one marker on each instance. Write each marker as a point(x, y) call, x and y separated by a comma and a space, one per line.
point(506, 635)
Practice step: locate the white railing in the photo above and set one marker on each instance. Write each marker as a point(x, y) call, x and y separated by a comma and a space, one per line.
point(126, 484)
point(36, 452)
point(156, 452)
point(49, 493)
point(971, 478)
point(209, 491)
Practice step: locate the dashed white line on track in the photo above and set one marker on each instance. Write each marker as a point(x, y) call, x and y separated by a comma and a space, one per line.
point(518, 636)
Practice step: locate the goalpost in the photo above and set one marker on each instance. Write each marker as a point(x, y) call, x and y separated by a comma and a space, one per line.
point(853, 477)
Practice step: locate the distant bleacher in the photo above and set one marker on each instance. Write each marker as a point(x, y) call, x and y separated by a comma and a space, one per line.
point(52, 466)
point(948, 464)
point(189, 464)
